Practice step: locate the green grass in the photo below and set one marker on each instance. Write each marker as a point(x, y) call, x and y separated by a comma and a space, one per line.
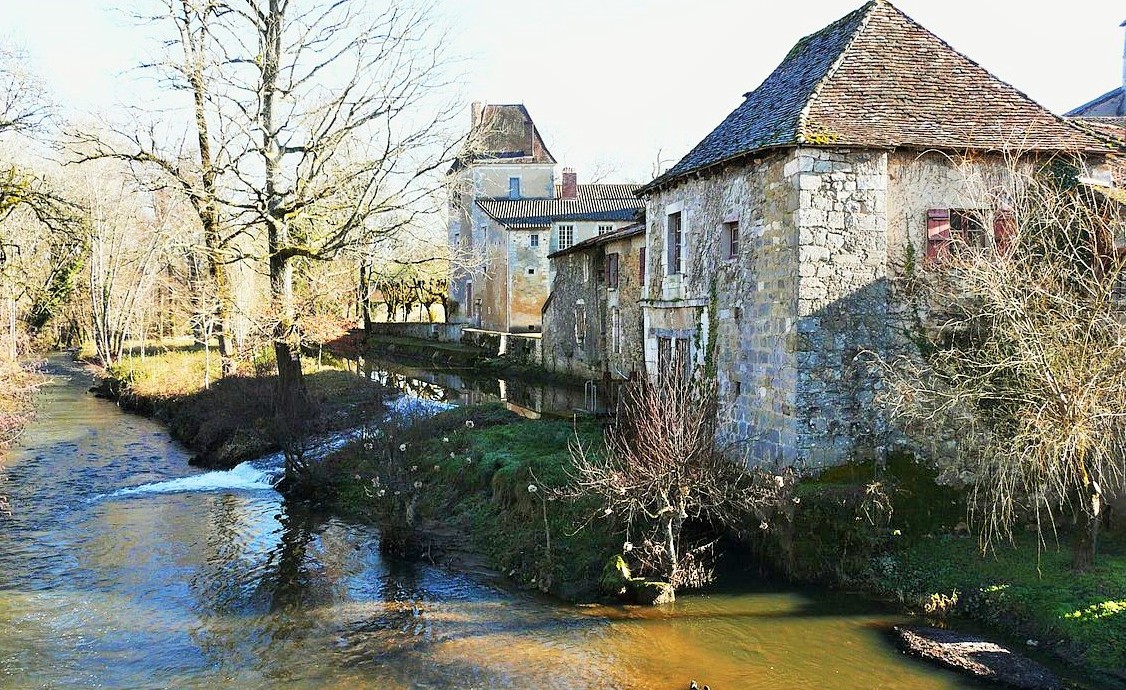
point(1035, 595)
point(909, 550)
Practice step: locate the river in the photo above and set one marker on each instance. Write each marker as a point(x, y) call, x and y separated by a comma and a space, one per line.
point(123, 567)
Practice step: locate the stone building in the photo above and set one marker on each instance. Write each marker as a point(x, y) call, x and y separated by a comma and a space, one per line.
point(771, 243)
point(505, 156)
point(592, 323)
point(509, 213)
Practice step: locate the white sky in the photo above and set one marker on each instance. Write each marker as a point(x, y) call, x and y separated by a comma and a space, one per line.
point(612, 82)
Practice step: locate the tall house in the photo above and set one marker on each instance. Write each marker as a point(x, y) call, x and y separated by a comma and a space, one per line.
point(504, 158)
point(508, 215)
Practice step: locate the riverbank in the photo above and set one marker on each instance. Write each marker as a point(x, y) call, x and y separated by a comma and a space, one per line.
point(892, 531)
point(460, 484)
point(229, 420)
point(18, 383)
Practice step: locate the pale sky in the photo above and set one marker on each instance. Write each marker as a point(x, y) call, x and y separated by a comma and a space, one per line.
point(610, 83)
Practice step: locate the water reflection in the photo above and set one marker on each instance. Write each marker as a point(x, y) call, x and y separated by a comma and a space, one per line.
point(466, 387)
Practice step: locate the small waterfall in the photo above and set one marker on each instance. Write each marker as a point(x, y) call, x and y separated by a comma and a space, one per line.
point(244, 477)
point(262, 474)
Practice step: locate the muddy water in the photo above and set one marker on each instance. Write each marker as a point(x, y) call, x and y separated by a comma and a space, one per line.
point(122, 567)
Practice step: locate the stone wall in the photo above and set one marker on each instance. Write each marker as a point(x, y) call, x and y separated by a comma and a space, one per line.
point(626, 358)
point(738, 313)
point(438, 332)
point(842, 224)
point(572, 316)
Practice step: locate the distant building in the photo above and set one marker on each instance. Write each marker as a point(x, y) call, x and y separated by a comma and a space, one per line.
point(592, 323)
point(505, 157)
point(771, 243)
point(1106, 115)
point(509, 214)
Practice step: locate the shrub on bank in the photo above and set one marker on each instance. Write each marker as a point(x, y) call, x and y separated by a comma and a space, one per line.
point(483, 476)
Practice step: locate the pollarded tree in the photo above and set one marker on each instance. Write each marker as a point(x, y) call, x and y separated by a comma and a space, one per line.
point(1025, 364)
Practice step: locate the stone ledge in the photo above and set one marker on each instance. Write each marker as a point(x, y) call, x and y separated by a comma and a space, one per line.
point(975, 656)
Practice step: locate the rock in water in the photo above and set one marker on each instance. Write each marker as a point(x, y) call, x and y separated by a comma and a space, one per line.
point(976, 656)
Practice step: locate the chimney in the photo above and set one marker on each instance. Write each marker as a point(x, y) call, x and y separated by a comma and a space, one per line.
point(570, 184)
point(476, 111)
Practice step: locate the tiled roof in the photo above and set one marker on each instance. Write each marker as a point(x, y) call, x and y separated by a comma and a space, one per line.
point(875, 78)
point(1110, 104)
point(594, 203)
point(598, 240)
point(503, 133)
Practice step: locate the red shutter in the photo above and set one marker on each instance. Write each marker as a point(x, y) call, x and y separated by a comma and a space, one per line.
point(1004, 228)
point(938, 232)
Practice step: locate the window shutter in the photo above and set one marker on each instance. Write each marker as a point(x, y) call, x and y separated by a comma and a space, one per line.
point(641, 264)
point(938, 232)
point(1004, 228)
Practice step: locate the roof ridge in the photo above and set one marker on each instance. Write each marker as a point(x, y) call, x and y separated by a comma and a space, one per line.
point(989, 74)
point(867, 11)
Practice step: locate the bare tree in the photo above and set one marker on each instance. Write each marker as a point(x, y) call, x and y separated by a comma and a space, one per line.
point(192, 163)
point(1024, 362)
point(343, 134)
point(662, 468)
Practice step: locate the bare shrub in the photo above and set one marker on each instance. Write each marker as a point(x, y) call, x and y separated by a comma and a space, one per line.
point(1024, 362)
point(662, 470)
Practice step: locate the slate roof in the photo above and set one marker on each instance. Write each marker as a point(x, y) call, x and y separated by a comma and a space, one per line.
point(876, 78)
point(597, 240)
point(1110, 104)
point(594, 202)
point(504, 133)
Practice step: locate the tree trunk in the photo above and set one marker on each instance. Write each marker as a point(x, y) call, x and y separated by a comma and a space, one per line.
point(1085, 541)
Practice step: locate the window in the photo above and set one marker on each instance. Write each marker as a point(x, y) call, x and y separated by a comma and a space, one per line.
point(673, 357)
point(514, 188)
point(566, 236)
point(729, 240)
point(736, 388)
point(534, 239)
point(580, 322)
point(946, 226)
point(531, 271)
point(641, 265)
point(616, 331)
point(603, 229)
point(675, 245)
point(612, 271)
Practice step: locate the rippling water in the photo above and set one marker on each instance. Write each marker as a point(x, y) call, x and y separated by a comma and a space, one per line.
point(122, 567)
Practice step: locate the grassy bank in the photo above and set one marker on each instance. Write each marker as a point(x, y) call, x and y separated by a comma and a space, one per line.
point(231, 419)
point(895, 532)
point(479, 480)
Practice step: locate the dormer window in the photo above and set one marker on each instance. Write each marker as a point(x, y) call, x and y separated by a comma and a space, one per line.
point(514, 188)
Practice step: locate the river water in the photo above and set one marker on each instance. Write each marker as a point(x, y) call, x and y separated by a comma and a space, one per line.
point(123, 567)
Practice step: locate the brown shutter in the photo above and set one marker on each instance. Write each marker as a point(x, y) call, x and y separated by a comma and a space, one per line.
point(641, 264)
point(938, 232)
point(1004, 228)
